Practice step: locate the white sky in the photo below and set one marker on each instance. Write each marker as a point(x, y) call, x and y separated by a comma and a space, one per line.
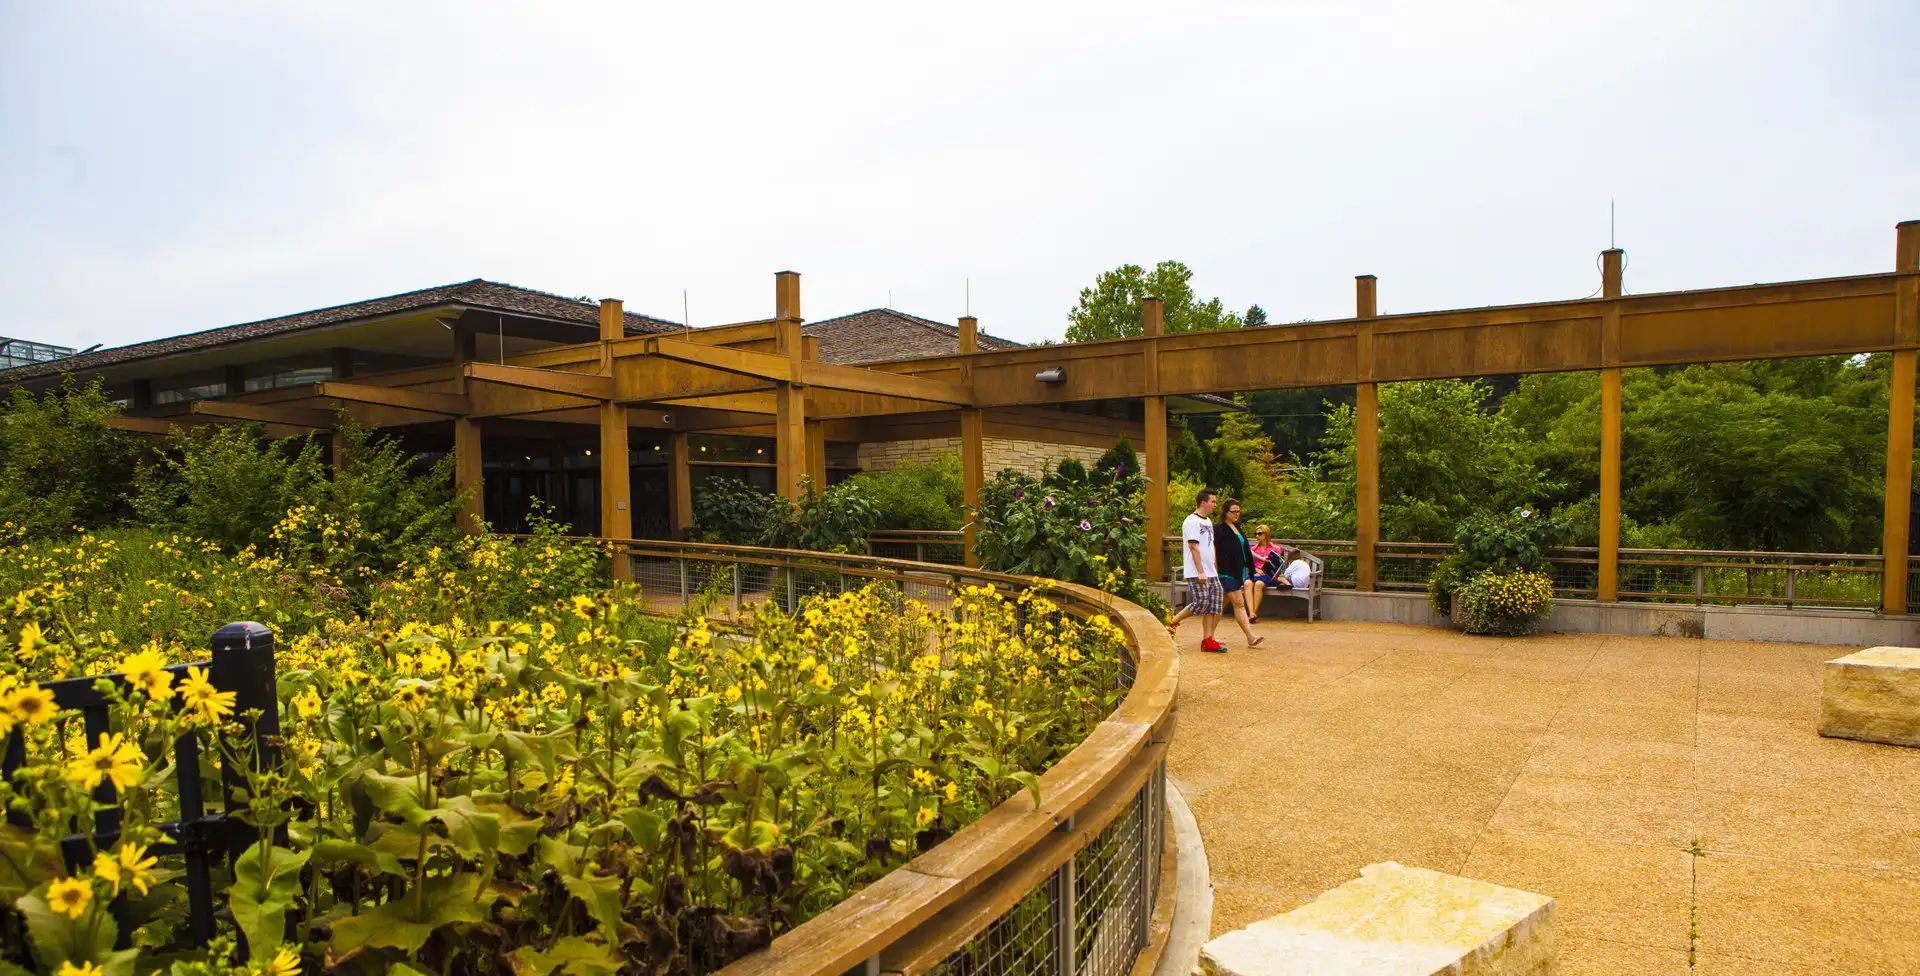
point(177, 166)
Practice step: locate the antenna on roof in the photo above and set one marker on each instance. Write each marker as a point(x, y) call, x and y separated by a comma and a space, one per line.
point(686, 317)
point(969, 299)
point(1610, 244)
point(889, 298)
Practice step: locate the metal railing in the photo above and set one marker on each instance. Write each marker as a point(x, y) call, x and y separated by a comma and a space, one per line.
point(1696, 576)
point(243, 663)
point(919, 545)
point(1064, 887)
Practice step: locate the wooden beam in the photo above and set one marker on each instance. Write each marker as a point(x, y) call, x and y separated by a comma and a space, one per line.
point(1366, 427)
point(1900, 394)
point(616, 485)
point(467, 473)
point(790, 441)
point(142, 425)
point(450, 404)
point(855, 379)
point(680, 484)
point(817, 454)
point(1153, 323)
point(1608, 584)
point(264, 413)
point(739, 362)
point(586, 385)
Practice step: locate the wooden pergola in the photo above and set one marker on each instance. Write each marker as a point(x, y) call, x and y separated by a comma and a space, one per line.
point(745, 376)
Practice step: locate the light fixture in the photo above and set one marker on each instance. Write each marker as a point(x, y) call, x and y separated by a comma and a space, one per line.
point(759, 450)
point(589, 453)
point(1052, 374)
point(656, 447)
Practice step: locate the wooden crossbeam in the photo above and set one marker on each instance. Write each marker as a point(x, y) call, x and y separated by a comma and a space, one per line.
point(263, 413)
point(449, 404)
point(142, 425)
point(726, 359)
point(591, 386)
point(854, 379)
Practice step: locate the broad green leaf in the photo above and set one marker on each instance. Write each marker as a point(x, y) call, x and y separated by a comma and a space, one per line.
point(446, 901)
point(1029, 781)
point(559, 855)
point(401, 796)
point(472, 830)
point(601, 894)
point(262, 893)
point(361, 854)
point(57, 938)
point(574, 954)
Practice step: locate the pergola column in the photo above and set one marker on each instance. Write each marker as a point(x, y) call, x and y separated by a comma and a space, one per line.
point(816, 429)
point(1366, 430)
point(680, 483)
point(973, 443)
point(616, 465)
point(1898, 500)
point(1608, 584)
point(342, 362)
point(1153, 323)
point(466, 443)
point(790, 404)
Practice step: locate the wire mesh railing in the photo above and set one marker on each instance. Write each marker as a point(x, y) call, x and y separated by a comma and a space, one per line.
point(919, 545)
point(1064, 887)
point(1696, 576)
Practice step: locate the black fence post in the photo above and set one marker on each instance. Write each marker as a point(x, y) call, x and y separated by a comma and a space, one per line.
point(243, 664)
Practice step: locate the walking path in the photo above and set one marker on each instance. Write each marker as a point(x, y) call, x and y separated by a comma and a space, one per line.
point(1672, 795)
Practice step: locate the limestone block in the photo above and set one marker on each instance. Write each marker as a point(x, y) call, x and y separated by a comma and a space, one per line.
point(1873, 695)
point(1394, 920)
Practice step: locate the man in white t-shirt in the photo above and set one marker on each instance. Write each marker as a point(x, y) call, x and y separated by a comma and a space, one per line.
point(1204, 593)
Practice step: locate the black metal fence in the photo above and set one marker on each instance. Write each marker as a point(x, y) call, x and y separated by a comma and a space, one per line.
point(242, 662)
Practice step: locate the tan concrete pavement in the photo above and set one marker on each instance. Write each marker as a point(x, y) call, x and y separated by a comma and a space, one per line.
point(1672, 794)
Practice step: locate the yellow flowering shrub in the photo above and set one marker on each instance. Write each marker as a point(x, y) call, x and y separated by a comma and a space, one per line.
point(1510, 604)
point(571, 786)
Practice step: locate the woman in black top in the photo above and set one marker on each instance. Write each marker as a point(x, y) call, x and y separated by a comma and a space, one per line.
point(1233, 557)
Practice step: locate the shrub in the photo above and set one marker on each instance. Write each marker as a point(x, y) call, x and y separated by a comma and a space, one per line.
point(925, 495)
point(61, 466)
point(1073, 527)
point(1508, 603)
point(1505, 542)
point(731, 512)
point(229, 484)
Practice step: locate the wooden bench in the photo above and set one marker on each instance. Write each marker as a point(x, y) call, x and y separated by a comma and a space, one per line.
point(1289, 604)
point(1394, 920)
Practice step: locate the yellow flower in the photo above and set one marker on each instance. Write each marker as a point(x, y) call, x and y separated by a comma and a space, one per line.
point(136, 864)
point(286, 962)
point(546, 630)
point(920, 778)
point(307, 703)
point(951, 791)
point(31, 637)
point(924, 816)
point(31, 704)
point(70, 896)
point(199, 695)
point(67, 968)
point(143, 671)
point(114, 759)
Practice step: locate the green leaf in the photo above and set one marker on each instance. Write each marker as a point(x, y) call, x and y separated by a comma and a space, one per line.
point(574, 954)
point(559, 855)
point(446, 901)
point(342, 850)
point(473, 830)
point(262, 893)
point(400, 796)
point(57, 938)
point(601, 894)
point(1029, 781)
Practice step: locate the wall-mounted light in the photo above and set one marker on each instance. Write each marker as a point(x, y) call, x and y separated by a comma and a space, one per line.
point(589, 453)
point(1052, 374)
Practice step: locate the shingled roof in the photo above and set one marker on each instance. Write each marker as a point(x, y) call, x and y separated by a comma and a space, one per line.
point(476, 294)
point(880, 334)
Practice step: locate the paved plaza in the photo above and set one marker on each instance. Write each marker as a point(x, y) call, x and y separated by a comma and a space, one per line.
point(1670, 794)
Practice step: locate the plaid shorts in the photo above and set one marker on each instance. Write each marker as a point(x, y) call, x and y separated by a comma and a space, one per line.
point(1204, 596)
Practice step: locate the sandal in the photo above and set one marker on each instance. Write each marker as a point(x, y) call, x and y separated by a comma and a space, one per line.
point(1256, 642)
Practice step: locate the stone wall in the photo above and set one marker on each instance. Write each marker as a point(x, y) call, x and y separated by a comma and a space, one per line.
point(1001, 452)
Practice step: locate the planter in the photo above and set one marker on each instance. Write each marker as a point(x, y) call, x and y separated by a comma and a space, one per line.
point(1458, 614)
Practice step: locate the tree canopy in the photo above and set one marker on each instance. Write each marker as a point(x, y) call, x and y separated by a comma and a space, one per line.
point(1110, 309)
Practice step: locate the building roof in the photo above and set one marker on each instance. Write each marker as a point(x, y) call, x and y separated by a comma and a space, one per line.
point(478, 294)
point(880, 334)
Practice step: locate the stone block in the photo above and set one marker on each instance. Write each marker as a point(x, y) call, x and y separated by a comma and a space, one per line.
point(1873, 695)
point(1394, 920)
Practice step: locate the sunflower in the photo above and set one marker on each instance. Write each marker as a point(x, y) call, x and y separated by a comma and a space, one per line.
point(70, 896)
point(31, 705)
point(200, 695)
point(114, 760)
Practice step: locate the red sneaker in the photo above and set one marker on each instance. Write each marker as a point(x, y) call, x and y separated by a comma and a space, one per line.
point(1212, 646)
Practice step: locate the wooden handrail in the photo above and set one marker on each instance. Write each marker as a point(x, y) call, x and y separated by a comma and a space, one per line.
point(914, 916)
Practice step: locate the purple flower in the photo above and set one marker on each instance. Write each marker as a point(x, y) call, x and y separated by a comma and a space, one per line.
point(1086, 526)
point(1019, 493)
point(1048, 503)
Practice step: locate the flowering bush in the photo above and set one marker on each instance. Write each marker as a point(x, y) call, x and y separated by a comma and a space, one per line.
point(1509, 604)
point(1074, 526)
point(572, 786)
point(1502, 541)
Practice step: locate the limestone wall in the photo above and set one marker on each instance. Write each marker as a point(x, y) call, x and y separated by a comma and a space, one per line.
point(1001, 452)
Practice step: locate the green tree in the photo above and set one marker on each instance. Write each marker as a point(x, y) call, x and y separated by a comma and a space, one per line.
point(61, 466)
point(1256, 316)
point(1241, 444)
point(1110, 309)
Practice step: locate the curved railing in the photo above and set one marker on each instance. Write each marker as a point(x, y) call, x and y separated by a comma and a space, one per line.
point(1064, 887)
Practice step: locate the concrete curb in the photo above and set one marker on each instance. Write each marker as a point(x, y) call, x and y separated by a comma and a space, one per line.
point(1193, 891)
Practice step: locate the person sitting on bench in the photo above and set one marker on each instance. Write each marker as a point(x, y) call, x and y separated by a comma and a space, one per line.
point(1266, 569)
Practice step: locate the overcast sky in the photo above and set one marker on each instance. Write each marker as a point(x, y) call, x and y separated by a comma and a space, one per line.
point(167, 167)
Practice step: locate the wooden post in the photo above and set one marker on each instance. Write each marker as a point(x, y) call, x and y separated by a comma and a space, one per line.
point(973, 443)
point(1366, 429)
point(1899, 490)
point(790, 404)
point(1608, 584)
point(1152, 325)
point(467, 443)
point(236, 380)
point(616, 465)
point(680, 483)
